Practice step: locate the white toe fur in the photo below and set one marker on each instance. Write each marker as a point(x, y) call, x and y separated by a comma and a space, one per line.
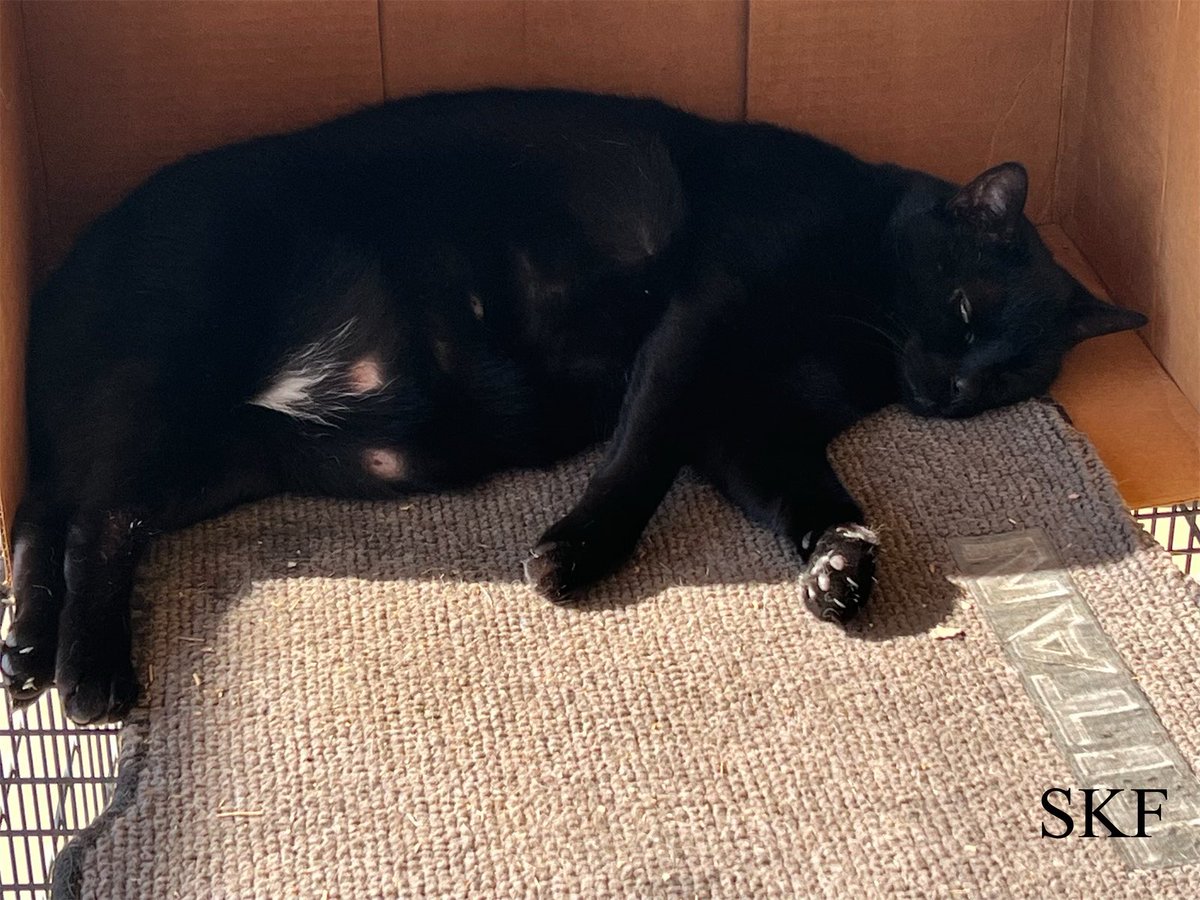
point(858, 533)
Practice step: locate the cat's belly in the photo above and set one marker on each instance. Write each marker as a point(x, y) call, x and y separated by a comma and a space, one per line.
point(367, 425)
point(459, 370)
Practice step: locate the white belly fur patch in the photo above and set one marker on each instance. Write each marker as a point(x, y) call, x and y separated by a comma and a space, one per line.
point(315, 383)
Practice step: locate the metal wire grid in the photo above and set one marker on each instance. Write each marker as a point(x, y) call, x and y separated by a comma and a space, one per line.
point(55, 778)
point(1177, 528)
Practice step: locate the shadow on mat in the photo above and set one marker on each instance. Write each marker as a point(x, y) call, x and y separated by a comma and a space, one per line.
point(934, 493)
point(482, 536)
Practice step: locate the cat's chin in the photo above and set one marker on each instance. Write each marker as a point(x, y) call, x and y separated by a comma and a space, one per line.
point(926, 409)
point(930, 410)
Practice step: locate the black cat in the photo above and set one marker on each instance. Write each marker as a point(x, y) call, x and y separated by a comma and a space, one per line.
point(418, 295)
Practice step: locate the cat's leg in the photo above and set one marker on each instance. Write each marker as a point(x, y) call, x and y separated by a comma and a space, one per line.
point(94, 668)
point(789, 486)
point(647, 449)
point(104, 541)
point(28, 653)
point(73, 574)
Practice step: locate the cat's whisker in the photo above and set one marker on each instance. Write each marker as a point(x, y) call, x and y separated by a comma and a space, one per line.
point(892, 340)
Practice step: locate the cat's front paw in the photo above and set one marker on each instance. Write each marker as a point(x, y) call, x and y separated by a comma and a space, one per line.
point(551, 570)
point(569, 558)
point(841, 571)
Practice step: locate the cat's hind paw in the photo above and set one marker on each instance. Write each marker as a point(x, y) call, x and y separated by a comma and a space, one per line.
point(101, 694)
point(841, 572)
point(26, 668)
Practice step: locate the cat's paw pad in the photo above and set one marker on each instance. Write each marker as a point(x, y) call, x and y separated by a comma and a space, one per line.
point(841, 572)
point(100, 689)
point(26, 667)
point(550, 570)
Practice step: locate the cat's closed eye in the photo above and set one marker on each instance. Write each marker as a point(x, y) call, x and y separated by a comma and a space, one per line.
point(963, 303)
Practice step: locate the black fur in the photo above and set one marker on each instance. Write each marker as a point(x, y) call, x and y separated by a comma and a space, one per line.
point(516, 275)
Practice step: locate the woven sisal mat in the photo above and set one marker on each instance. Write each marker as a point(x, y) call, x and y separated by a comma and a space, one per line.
point(363, 700)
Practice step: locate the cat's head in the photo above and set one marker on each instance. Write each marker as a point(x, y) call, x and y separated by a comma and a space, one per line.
point(987, 314)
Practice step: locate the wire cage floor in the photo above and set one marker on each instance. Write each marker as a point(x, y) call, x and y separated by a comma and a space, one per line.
point(55, 777)
point(1178, 529)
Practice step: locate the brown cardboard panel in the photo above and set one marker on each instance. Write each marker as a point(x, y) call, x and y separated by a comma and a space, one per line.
point(19, 208)
point(1175, 330)
point(1131, 204)
point(1074, 94)
point(124, 87)
point(1115, 391)
point(689, 52)
point(1146, 431)
point(948, 87)
point(1113, 215)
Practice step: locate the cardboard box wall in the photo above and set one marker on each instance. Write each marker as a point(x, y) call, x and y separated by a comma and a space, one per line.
point(1100, 101)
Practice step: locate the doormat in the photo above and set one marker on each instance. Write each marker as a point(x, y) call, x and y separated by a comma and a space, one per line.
point(353, 699)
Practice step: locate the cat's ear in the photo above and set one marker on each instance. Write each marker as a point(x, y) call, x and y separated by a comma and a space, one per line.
point(1092, 317)
point(994, 202)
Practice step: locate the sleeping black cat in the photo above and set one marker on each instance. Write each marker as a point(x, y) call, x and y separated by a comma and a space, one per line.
point(418, 295)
